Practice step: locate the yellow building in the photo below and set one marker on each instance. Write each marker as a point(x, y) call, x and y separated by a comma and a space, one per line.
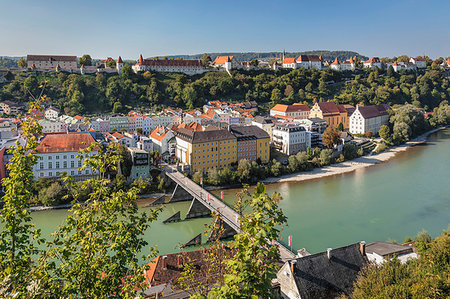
point(332, 113)
point(252, 143)
point(205, 150)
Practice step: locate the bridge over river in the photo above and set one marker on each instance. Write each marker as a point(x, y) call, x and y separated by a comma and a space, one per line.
point(203, 203)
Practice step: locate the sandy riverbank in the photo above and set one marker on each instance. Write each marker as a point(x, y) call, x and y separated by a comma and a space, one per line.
point(352, 165)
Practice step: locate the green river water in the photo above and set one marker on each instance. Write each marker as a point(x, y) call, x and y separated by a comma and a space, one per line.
point(388, 201)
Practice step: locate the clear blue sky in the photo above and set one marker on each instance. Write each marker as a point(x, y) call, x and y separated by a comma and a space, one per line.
point(168, 27)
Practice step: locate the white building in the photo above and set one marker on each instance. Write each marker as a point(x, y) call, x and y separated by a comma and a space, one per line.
point(51, 113)
point(368, 118)
point(57, 153)
point(309, 62)
point(264, 123)
point(296, 110)
point(289, 63)
point(289, 138)
point(226, 62)
point(52, 126)
point(380, 252)
point(50, 63)
point(419, 62)
point(373, 62)
point(188, 67)
point(160, 137)
point(398, 66)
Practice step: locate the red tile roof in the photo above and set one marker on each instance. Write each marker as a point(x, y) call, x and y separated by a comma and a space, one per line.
point(335, 62)
point(289, 60)
point(419, 59)
point(119, 60)
point(51, 58)
point(220, 60)
point(373, 60)
point(61, 143)
point(290, 108)
point(159, 133)
point(306, 58)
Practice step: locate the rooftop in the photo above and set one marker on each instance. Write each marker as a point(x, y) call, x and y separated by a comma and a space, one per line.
point(61, 143)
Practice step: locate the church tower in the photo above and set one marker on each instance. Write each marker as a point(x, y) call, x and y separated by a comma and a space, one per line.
point(119, 64)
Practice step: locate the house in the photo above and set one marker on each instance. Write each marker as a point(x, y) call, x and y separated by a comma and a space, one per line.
point(253, 143)
point(10, 107)
point(204, 150)
point(160, 137)
point(379, 252)
point(52, 126)
point(289, 138)
point(317, 125)
point(51, 113)
point(369, 118)
point(8, 129)
point(289, 63)
point(265, 123)
point(226, 62)
point(188, 67)
point(326, 274)
point(420, 62)
point(309, 62)
point(331, 112)
point(100, 125)
point(348, 65)
point(50, 62)
point(57, 153)
point(297, 110)
point(398, 66)
point(140, 167)
point(372, 62)
point(335, 65)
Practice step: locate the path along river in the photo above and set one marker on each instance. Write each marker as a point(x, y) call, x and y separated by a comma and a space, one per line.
point(388, 201)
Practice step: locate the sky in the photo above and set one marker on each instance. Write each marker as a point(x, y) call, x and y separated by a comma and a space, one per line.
point(171, 27)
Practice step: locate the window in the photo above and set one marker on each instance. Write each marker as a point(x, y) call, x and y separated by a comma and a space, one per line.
point(49, 165)
point(57, 157)
point(41, 165)
point(65, 164)
point(72, 164)
point(50, 173)
point(57, 165)
point(49, 157)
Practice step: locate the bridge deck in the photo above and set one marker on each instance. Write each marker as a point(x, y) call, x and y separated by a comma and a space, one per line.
point(229, 215)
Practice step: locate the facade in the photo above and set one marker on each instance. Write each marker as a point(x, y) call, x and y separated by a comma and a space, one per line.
point(52, 126)
point(188, 67)
point(373, 62)
point(10, 107)
point(289, 63)
point(51, 113)
point(264, 123)
point(317, 125)
point(398, 66)
point(297, 110)
point(289, 138)
point(335, 65)
point(252, 143)
point(369, 118)
point(332, 113)
point(326, 274)
point(226, 62)
point(118, 122)
point(140, 163)
point(147, 124)
point(380, 252)
point(8, 129)
point(48, 62)
point(160, 137)
point(204, 150)
point(420, 62)
point(309, 62)
point(57, 153)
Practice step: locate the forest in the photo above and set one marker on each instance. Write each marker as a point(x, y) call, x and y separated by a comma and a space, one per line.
point(103, 93)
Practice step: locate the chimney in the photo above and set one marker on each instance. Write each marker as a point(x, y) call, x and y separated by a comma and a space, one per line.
point(329, 253)
point(362, 247)
point(293, 262)
point(164, 262)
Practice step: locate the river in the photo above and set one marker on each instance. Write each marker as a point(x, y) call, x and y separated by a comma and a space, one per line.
point(389, 201)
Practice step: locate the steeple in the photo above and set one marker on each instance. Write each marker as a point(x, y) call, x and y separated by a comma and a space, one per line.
point(119, 60)
point(141, 60)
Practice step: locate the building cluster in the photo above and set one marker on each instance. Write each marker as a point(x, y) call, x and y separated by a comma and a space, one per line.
point(58, 63)
point(328, 274)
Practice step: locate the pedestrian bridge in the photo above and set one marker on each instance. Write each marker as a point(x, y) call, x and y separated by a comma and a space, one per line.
point(204, 203)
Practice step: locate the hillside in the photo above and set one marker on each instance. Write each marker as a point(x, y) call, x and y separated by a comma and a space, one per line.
point(328, 55)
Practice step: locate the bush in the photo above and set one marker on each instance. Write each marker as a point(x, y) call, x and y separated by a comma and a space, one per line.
point(350, 151)
point(52, 195)
point(380, 148)
point(196, 177)
point(325, 157)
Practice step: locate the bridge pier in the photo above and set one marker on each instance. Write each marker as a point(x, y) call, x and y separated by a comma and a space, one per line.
point(197, 240)
point(197, 209)
point(174, 218)
point(179, 194)
point(222, 231)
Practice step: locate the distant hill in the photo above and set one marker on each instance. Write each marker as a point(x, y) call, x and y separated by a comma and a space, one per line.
point(327, 55)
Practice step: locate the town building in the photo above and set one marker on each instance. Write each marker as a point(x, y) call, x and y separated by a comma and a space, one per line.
point(420, 62)
point(8, 129)
point(100, 125)
point(265, 123)
point(317, 125)
point(50, 63)
point(373, 62)
point(57, 153)
point(296, 110)
point(335, 65)
point(253, 143)
point(207, 149)
point(51, 113)
point(309, 62)
point(369, 118)
point(398, 66)
point(188, 67)
point(10, 107)
point(161, 137)
point(332, 113)
point(52, 126)
point(226, 62)
point(289, 138)
point(140, 164)
point(118, 122)
point(380, 252)
point(328, 274)
point(289, 63)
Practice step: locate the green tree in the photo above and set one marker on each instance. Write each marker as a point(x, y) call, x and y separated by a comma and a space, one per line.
point(205, 60)
point(276, 169)
point(117, 107)
point(340, 127)
point(97, 248)
point(330, 137)
point(22, 63)
point(126, 163)
point(255, 62)
point(85, 60)
point(126, 72)
point(293, 164)
point(251, 268)
point(111, 64)
point(51, 195)
point(325, 157)
point(244, 170)
point(384, 132)
point(276, 96)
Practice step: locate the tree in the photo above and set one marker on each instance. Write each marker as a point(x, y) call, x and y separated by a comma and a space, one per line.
point(107, 231)
point(126, 72)
point(350, 151)
point(384, 132)
point(22, 63)
point(293, 164)
point(244, 170)
point(205, 60)
point(325, 157)
point(340, 127)
point(117, 107)
point(111, 64)
point(276, 96)
point(51, 195)
point(254, 62)
point(126, 163)
point(85, 60)
point(330, 137)
point(250, 270)
point(276, 168)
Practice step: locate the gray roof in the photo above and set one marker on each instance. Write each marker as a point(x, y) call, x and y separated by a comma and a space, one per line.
point(248, 131)
point(387, 249)
point(263, 120)
point(203, 136)
point(317, 276)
